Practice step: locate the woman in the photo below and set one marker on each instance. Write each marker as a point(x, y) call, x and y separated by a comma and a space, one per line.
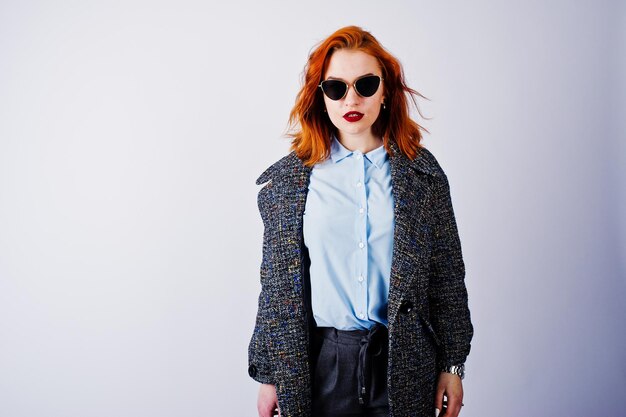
point(363, 307)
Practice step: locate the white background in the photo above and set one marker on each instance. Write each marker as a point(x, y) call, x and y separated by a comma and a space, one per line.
point(131, 134)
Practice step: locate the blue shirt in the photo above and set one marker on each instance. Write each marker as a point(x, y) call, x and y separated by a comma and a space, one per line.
point(348, 229)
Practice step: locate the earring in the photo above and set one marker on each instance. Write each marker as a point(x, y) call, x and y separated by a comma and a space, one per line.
point(384, 107)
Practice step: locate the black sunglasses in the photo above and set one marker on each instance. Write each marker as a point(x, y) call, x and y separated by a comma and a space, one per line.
point(365, 86)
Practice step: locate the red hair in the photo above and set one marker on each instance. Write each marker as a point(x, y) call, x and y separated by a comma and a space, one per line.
point(311, 142)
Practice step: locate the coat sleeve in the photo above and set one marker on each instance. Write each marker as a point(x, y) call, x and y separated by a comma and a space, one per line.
point(259, 361)
point(449, 310)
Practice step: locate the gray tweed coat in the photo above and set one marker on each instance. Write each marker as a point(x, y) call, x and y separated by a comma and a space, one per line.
point(429, 319)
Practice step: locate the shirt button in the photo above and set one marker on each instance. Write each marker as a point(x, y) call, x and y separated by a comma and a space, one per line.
point(361, 210)
point(358, 184)
point(358, 156)
point(361, 278)
point(361, 245)
point(361, 316)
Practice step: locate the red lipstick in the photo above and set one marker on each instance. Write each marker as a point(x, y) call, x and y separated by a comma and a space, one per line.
point(353, 116)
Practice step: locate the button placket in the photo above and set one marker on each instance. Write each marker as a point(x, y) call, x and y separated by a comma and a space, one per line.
point(362, 236)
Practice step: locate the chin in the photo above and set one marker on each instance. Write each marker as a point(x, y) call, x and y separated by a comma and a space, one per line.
point(354, 130)
point(351, 132)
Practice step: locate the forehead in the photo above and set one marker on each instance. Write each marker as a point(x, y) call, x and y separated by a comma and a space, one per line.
point(349, 64)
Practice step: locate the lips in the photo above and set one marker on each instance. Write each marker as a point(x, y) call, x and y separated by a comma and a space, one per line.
point(353, 116)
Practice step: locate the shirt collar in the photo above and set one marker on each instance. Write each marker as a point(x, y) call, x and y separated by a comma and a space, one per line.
point(338, 152)
point(378, 156)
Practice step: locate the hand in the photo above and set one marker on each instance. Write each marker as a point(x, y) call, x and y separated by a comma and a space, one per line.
point(449, 385)
point(267, 403)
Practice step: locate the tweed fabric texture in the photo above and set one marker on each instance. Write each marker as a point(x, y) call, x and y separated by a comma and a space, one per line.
point(429, 320)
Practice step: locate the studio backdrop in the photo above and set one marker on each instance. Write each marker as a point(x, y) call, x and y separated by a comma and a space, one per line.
point(131, 136)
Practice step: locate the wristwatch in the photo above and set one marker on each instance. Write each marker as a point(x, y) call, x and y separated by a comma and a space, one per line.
point(456, 370)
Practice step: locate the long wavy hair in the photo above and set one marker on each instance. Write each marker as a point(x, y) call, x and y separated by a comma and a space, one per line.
point(310, 127)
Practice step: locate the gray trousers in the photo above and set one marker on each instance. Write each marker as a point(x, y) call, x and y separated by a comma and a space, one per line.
point(350, 372)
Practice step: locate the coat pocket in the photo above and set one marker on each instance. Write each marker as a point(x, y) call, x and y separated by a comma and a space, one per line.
point(430, 329)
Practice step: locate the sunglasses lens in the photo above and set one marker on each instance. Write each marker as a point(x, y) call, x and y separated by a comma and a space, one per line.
point(367, 86)
point(334, 89)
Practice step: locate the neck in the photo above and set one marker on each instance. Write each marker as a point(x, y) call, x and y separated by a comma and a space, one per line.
point(363, 143)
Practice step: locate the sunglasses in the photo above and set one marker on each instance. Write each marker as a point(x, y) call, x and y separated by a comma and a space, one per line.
point(365, 86)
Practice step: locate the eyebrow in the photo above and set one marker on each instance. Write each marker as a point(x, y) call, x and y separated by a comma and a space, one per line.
point(330, 77)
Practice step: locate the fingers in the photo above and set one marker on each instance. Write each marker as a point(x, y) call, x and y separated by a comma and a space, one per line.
point(450, 387)
point(454, 406)
point(454, 394)
point(268, 411)
point(267, 403)
point(264, 412)
point(439, 400)
point(439, 393)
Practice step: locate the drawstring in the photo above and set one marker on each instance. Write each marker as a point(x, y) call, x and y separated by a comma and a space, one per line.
point(368, 342)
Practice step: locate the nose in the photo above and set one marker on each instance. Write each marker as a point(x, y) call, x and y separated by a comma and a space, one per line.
point(351, 96)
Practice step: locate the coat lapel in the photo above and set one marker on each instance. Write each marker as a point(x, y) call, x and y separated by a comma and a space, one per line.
point(410, 192)
point(299, 177)
point(291, 180)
